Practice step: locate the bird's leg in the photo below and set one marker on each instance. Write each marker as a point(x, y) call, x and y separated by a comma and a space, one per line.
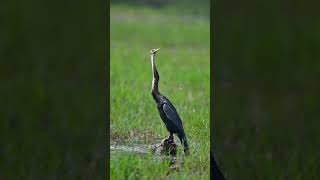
point(169, 139)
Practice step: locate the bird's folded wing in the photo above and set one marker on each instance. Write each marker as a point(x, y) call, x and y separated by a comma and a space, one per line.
point(172, 115)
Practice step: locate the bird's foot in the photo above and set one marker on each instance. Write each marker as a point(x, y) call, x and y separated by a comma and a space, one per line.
point(167, 141)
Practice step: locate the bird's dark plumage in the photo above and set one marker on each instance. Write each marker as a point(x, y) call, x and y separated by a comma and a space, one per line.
point(167, 111)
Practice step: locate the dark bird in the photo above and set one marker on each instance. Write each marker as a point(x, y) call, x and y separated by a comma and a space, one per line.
point(167, 111)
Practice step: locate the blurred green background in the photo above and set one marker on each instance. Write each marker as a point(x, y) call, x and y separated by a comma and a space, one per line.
point(265, 93)
point(53, 69)
point(182, 32)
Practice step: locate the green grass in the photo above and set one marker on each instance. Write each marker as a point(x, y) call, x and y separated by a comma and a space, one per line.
point(184, 66)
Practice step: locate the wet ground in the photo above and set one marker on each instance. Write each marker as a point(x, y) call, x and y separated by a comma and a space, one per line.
point(160, 149)
point(138, 147)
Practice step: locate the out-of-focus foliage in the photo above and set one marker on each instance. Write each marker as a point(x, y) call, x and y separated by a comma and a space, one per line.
point(52, 115)
point(266, 103)
point(182, 7)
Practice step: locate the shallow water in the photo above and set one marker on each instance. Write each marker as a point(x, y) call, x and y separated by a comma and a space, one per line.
point(135, 146)
point(157, 148)
point(138, 147)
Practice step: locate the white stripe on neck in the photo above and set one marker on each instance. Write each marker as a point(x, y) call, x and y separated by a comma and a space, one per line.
point(152, 64)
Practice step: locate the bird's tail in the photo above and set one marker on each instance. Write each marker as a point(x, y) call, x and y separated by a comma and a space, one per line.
point(185, 144)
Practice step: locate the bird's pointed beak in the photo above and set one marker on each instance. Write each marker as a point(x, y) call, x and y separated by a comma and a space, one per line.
point(156, 50)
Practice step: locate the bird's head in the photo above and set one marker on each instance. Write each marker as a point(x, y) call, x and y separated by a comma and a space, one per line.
point(153, 51)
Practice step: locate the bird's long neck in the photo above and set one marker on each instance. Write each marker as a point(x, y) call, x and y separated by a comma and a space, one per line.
point(155, 91)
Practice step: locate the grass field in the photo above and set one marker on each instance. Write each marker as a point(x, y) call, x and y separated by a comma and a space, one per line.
point(183, 63)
